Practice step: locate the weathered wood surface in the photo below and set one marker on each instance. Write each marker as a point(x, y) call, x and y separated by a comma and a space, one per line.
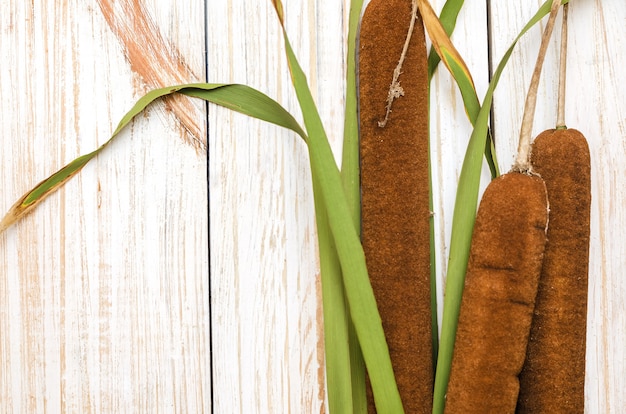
point(104, 295)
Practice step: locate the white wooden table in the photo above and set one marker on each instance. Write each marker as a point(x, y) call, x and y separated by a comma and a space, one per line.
point(106, 304)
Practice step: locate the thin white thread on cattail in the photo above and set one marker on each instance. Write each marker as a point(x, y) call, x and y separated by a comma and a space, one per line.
point(395, 90)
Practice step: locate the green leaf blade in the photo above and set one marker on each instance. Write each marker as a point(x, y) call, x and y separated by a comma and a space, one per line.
point(350, 176)
point(245, 100)
point(360, 295)
point(239, 98)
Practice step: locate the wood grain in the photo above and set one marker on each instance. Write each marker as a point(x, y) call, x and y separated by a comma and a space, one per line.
point(104, 289)
point(158, 62)
point(267, 325)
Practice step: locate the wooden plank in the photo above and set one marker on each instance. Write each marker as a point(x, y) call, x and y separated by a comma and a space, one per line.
point(264, 274)
point(104, 297)
point(265, 290)
point(595, 106)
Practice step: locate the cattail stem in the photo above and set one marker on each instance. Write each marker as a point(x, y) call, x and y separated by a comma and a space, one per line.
point(560, 120)
point(522, 162)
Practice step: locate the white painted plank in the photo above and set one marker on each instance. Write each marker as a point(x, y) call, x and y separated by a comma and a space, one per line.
point(264, 270)
point(104, 298)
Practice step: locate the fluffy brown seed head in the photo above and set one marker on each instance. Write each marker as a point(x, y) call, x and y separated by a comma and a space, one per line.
point(553, 377)
point(395, 195)
point(499, 296)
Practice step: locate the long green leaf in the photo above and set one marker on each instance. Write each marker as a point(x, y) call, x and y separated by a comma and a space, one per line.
point(356, 282)
point(447, 18)
point(350, 176)
point(336, 315)
point(350, 154)
point(463, 224)
point(239, 98)
point(345, 376)
point(248, 101)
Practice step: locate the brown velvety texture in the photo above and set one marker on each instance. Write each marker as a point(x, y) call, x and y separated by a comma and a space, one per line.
point(499, 296)
point(394, 180)
point(553, 378)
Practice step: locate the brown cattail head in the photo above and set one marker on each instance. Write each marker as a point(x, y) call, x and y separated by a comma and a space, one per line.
point(395, 193)
point(553, 378)
point(499, 296)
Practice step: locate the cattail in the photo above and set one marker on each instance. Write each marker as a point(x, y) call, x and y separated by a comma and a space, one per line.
point(553, 377)
point(499, 296)
point(502, 278)
point(395, 190)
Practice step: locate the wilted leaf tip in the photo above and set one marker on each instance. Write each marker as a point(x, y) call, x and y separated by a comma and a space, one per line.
point(6, 222)
point(16, 212)
point(442, 43)
point(278, 6)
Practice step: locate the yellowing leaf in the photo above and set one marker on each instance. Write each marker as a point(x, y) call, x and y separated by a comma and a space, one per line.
point(442, 43)
point(278, 5)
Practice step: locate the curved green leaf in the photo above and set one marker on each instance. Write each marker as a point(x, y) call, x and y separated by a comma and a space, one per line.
point(239, 98)
point(246, 100)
